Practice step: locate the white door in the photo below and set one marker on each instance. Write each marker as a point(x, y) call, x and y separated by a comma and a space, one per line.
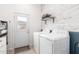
point(21, 30)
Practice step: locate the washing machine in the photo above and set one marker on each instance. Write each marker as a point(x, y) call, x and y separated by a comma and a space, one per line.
point(53, 39)
point(37, 41)
point(56, 42)
point(36, 38)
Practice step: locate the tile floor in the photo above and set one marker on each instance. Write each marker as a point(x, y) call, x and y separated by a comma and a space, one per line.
point(24, 50)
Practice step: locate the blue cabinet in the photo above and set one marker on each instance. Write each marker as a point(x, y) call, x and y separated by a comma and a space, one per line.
point(74, 42)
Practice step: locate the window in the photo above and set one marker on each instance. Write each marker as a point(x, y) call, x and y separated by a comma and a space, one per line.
point(22, 22)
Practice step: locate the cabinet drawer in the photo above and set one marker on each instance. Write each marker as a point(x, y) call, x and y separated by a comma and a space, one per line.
point(3, 41)
point(3, 48)
point(3, 52)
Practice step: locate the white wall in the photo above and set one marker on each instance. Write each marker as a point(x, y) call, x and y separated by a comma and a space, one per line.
point(34, 12)
point(66, 14)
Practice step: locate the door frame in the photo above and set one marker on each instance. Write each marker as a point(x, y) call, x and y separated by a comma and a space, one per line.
point(15, 14)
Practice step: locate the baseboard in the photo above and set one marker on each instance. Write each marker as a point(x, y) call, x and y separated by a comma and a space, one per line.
point(10, 51)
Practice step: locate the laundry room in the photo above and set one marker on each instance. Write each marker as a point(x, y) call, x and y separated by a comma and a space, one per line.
point(39, 28)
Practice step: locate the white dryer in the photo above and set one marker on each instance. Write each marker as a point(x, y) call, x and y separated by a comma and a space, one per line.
point(55, 43)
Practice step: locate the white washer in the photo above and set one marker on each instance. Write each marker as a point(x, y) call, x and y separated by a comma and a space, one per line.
point(37, 40)
point(55, 43)
point(38, 37)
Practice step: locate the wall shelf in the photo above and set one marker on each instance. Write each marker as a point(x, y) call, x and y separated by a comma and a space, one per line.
point(47, 17)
